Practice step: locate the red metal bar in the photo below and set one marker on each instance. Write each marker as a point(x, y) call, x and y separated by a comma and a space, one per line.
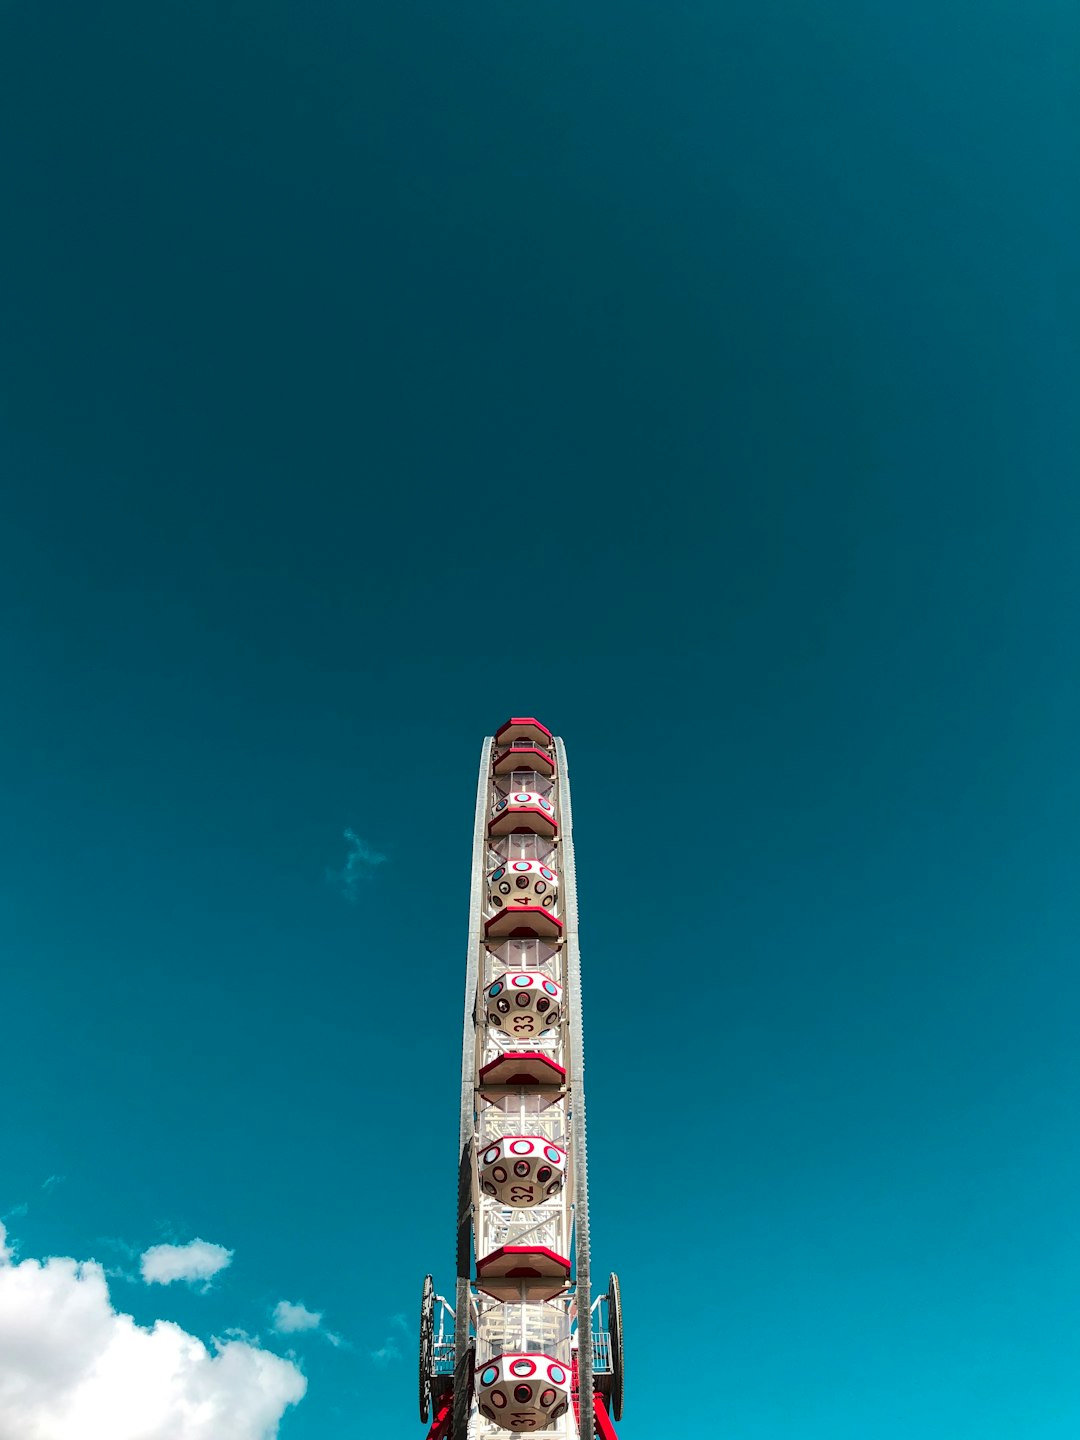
point(605, 1430)
point(440, 1426)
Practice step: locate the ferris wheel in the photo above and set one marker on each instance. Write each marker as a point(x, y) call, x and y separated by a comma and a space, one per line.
point(524, 1346)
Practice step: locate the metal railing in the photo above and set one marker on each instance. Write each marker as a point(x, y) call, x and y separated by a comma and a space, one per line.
point(546, 1225)
point(523, 780)
point(529, 1328)
point(601, 1347)
point(548, 1042)
point(549, 1124)
point(519, 954)
point(601, 1339)
point(504, 848)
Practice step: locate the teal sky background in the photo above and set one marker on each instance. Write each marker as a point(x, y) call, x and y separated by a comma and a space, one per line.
point(699, 377)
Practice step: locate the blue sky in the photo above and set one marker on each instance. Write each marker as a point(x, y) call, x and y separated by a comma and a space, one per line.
point(700, 378)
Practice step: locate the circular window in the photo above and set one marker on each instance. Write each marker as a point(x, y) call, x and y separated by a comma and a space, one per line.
point(521, 1168)
point(490, 1375)
point(523, 799)
point(496, 900)
point(522, 1367)
point(487, 1412)
point(498, 1399)
point(497, 987)
point(547, 874)
point(548, 899)
point(542, 1003)
point(504, 887)
point(521, 1147)
point(553, 1187)
point(522, 882)
point(490, 1154)
point(523, 1394)
point(521, 980)
point(489, 1189)
point(498, 874)
point(549, 986)
point(547, 1397)
point(520, 865)
point(559, 1410)
point(524, 998)
point(540, 887)
point(543, 1175)
point(544, 805)
point(503, 1004)
point(557, 1374)
point(499, 1175)
point(494, 1018)
point(552, 1154)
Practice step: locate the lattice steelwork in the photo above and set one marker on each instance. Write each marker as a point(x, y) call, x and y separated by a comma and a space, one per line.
point(524, 1348)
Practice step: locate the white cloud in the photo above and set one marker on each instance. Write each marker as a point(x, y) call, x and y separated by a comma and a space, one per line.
point(289, 1318)
point(198, 1260)
point(390, 1350)
point(75, 1367)
point(360, 863)
point(387, 1353)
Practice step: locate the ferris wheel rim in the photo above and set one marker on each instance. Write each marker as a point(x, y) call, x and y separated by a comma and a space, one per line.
point(615, 1328)
point(427, 1346)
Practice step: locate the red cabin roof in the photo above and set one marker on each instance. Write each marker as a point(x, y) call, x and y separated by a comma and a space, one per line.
point(523, 727)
